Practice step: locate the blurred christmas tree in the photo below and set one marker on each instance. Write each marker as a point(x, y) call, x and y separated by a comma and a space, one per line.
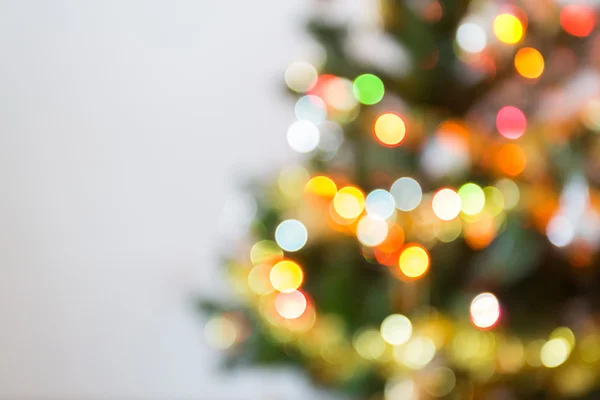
point(440, 241)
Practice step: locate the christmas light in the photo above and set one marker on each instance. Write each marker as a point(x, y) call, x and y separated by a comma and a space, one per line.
point(221, 332)
point(389, 129)
point(578, 19)
point(529, 63)
point(368, 89)
point(286, 276)
point(301, 76)
point(407, 193)
point(414, 261)
point(396, 329)
point(471, 38)
point(485, 310)
point(380, 204)
point(265, 251)
point(349, 202)
point(508, 28)
point(371, 232)
point(446, 204)
point(555, 352)
point(290, 305)
point(259, 281)
point(321, 186)
point(291, 235)
point(303, 136)
point(511, 122)
point(472, 198)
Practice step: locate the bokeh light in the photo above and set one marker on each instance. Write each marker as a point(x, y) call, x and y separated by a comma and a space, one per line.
point(303, 136)
point(290, 305)
point(291, 235)
point(380, 204)
point(369, 344)
point(511, 122)
point(485, 310)
point(510, 193)
point(389, 129)
point(265, 251)
point(259, 281)
point(529, 63)
point(221, 332)
point(471, 37)
point(301, 76)
point(417, 353)
point(311, 108)
point(401, 390)
point(338, 93)
point(407, 193)
point(331, 137)
point(321, 186)
point(292, 180)
point(446, 204)
point(371, 232)
point(511, 159)
point(349, 202)
point(368, 89)
point(560, 231)
point(472, 198)
point(578, 19)
point(414, 261)
point(286, 276)
point(555, 352)
point(441, 381)
point(508, 28)
point(396, 329)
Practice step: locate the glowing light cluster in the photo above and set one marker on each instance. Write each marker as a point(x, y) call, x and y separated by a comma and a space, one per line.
point(529, 62)
point(389, 129)
point(291, 235)
point(414, 261)
point(508, 28)
point(368, 89)
point(446, 204)
point(511, 122)
point(485, 310)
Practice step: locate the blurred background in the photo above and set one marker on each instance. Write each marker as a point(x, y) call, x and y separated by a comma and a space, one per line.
point(123, 125)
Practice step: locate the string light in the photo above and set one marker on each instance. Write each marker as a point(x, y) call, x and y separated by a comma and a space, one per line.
point(555, 352)
point(371, 232)
point(407, 194)
point(301, 76)
point(368, 89)
point(311, 108)
point(511, 122)
point(290, 305)
point(472, 198)
point(291, 235)
point(303, 136)
point(396, 329)
point(349, 202)
point(578, 19)
point(321, 186)
point(471, 37)
point(380, 204)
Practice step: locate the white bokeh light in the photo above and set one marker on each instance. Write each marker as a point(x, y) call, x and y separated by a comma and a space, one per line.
point(303, 136)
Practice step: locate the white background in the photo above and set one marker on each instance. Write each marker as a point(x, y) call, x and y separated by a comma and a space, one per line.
point(122, 126)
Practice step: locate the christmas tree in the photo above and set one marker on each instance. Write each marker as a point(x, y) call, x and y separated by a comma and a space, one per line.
point(440, 239)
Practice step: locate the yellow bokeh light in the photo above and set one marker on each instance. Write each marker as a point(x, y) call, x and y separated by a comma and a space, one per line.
point(564, 333)
point(555, 352)
point(259, 281)
point(321, 186)
point(369, 344)
point(396, 329)
point(286, 276)
point(508, 28)
point(529, 63)
point(417, 353)
point(414, 261)
point(349, 202)
point(446, 204)
point(265, 251)
point(390, 129)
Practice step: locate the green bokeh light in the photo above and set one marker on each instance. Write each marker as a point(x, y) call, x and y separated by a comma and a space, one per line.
point(368, 89)
point(472, 198)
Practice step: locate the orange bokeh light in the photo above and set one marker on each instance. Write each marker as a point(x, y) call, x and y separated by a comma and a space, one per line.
point(511, 159)
point(529, 63)
point(389, 129)
point(578, 19)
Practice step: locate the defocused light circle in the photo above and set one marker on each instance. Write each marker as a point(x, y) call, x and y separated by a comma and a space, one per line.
point(510, 192)
point(446, 204)
point(311, 108)
point(511, 122)
point(258, 279)
point(529, 63)
point(380, 204)
point(414, 261)
point(221, 332)
point(407, 194)
point(265, 251)
point(417, 353)
point(555, 352)
point(389, 129)
point(511, 159)
point(396, 329)
point(286, 276)
point(303, 136)
point(560, 231)
point(485, 310)
point(349, 202)
point(369, 344)
point(371, 232)
point(472, 198)
point(508, 28)
point(368, 89)
point(291, 235)
point(578, 19)
point(471, 37)
point(321, 186)
point(290, 305)
point(338, 93)
point(301, 76)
